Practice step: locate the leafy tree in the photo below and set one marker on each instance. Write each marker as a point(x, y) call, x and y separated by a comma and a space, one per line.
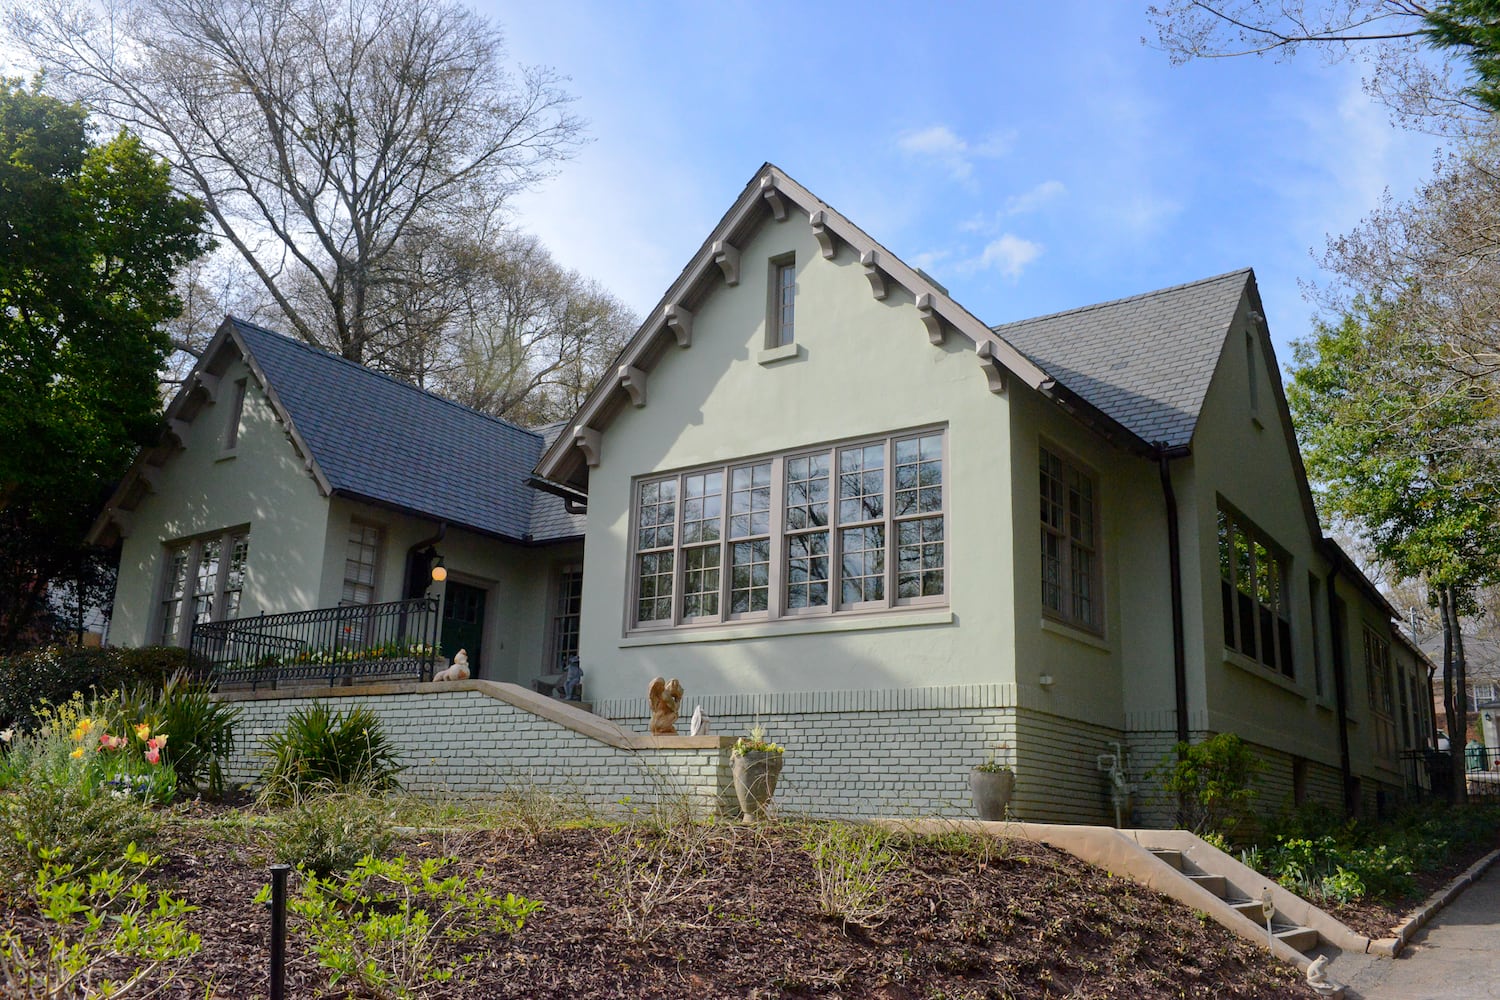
point(1410, 44)
point(90, 237)
point(336, 145)
point(1405, 455)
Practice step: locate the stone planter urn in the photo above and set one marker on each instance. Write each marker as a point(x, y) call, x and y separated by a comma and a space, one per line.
point(991, 790)
point(755, 774)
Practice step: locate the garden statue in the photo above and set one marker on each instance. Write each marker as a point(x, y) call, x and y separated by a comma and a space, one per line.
point(458, 671)
point(665, 696)
point(700, 722)
point(572, 685)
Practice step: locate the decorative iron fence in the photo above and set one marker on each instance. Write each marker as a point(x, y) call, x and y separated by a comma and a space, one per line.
point(396, 640)
point(1433, 770)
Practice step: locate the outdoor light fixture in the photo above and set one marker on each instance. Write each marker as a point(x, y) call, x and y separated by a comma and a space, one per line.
point(439, 571)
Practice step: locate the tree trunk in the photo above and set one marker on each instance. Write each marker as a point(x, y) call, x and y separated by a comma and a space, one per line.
point(1455, 700)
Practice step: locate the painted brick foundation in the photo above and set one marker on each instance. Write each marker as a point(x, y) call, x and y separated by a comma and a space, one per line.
point(475, 738)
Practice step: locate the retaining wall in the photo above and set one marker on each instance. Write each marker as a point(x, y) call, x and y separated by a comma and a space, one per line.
point(475, 738)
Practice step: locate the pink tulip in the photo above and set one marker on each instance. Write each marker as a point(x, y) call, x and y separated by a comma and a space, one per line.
point(153, 755)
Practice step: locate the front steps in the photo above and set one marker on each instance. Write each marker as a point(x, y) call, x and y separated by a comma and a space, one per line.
point(1296, 936)
point(1196, 874)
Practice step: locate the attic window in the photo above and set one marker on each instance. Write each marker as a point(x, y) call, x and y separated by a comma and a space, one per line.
point(781, 327)
point(232, 426)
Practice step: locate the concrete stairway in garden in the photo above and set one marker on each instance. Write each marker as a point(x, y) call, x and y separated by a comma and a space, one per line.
point(1302, 938)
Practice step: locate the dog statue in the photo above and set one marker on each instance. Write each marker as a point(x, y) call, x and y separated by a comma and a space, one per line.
point(457, 671)
point(665, 697)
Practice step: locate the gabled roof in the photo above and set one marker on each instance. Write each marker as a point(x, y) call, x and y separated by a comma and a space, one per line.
point(373, 438)
point(1146, 360)
point(771, 193)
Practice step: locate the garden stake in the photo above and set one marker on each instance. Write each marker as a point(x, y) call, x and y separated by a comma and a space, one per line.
point(278, 931)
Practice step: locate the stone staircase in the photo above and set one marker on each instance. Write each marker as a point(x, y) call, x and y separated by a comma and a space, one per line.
point(1298, 937)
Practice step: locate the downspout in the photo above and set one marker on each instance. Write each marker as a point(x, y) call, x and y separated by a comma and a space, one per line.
point(1340, 689)
point(1164, 457)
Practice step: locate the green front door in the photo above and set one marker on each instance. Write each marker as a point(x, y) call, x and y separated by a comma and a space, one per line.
point(463, 623)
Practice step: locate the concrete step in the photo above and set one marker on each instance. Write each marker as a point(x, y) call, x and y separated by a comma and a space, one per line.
point(1304, 939)
point(1250, 908)
point(1213, 883)
point(1173, 858)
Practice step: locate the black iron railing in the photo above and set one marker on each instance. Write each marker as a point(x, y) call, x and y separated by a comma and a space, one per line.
point(1433, 770)
point(396, 640)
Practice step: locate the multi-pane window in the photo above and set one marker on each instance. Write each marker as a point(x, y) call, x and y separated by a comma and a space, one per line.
point(1378, 687)
point(750, 539)
point(359, 564)
point(1070, 542)
point(566, 612)
point(1253, 584)
point(804, 533)
point(210, 573)
point(655, 541)
point(784, 302)
point(173, 592)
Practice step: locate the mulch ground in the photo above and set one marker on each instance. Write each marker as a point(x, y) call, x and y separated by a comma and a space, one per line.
point(1022, 921)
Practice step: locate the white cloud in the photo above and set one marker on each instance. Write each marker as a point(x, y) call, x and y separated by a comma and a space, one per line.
point(1030, 201)
point(941, 143)
point(1010, 254)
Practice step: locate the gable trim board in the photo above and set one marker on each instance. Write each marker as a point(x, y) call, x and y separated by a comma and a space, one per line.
point(565, 464)
point(385, 443)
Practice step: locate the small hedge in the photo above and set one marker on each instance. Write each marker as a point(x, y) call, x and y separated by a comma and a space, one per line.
point(54, 673)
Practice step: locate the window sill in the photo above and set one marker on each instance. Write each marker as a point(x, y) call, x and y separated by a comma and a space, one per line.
point(1265, 673)
point(771, 355)
point(790, 626)
point(1077, 635)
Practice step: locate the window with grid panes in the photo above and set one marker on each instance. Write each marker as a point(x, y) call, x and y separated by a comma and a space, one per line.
point(204, 580)
point(1070, 546)
point(359, 564)
point(804, 533)
point(566, 615)
point(1253, 585)
point(783, 316)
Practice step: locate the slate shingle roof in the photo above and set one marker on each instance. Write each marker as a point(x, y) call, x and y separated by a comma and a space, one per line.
point(377, 438)
point(1146, 360)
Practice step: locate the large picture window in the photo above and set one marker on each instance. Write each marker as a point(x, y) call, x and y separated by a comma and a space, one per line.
point(1070, 542)
point(1253, 582)
point(209, 572)
point(809, 532)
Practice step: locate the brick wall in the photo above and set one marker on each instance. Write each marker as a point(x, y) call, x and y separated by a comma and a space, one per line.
point(461, 740)
point(908, 752)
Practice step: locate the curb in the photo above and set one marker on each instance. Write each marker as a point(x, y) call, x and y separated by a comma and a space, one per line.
point(1435, 903)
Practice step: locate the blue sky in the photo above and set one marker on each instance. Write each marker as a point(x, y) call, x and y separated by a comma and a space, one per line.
point(1032, 157)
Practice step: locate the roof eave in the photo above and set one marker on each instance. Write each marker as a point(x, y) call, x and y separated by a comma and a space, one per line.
point(768, 190)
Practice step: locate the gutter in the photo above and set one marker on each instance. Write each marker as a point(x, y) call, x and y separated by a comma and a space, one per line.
point(1164, 457)
point(1340, 690)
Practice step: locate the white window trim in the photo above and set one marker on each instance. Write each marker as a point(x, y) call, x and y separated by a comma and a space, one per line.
point(1066, 618)
point(375, 567)
point(226, 540)
point(776, 610)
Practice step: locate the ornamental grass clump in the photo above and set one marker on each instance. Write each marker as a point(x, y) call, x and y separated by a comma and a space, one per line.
point(324, 750)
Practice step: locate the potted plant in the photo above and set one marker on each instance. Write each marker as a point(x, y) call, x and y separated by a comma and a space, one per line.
point(991, 785)
point(756, 763)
